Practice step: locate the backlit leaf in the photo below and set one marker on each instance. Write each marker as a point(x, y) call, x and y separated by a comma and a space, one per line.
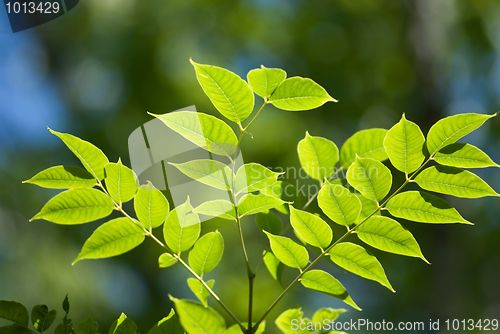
point(151, 206)
point(364, 144)
point(288, 251)
point(339, 204)
point(123, 325)
point(318, 156)
point(210, 172)
point(264, 81)
point(370, 177)
point(273, 265)
point(166, 260)
point(251, 204)
point(252, 177)
point(168, 325)
point(464, 156)
point(182, 228)
point(314, 230)
point(63, 177)
point(199, 290)
point(218, 208)
point(121, 182)
point(206, 253)
point(197, 319)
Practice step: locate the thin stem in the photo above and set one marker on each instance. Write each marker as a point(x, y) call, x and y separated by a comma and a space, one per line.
point(350, 231)
point(242, 242)
point(243, 130)
point(250, 302)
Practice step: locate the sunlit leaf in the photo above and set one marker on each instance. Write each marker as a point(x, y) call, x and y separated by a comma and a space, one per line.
point(182, 228)
point(264, 81)
point(288, 251)
point(297, 94)
point(76, 206)
point(168, 325)
point(273, 265)
point(450, 129)
point(123, 325)
point(252, 177)
point(464, 156)
point(368, 207)
point(422, 207)
point(365, 144)
point(388, 235)
point(151, 206)
point(206, 253)
point(218, 208)
point(206, 131)
point(321, 281)
point(404, 144)
point(197, 319)
point(251, 204)
point(113, 238)
point(230, 94)
point(370, 177)
point(63, 177)
point(356, 259)
point(210, 172)
point(314, 230)
point(166, 260)
point(121, 182)
point(339, 204)
point(329, 314)
point(199, 290)
point(92, 158)
point(454, 181)
point(318, 156)
point(284, 321)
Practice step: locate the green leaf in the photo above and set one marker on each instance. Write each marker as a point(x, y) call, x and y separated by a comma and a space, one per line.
point(113, 238)
point(298, 94)
point(87, 326)
point(91, 157)
point(230, 94)
point(121, 182)
point(15, 329)
point(318, 156)
point(251, 204)
point(15, 312)
point(404, 144)
point(286, 319)
point(284, 191)
point(388, 235)
point(206, 131)
point(206, 253)
point(356, 259)
point(76, 206)
point(314, 230)
point(197, 319)
point(235, 329)
point(65, 304)
point(364, 144)
point(450, 129)
point(123, 325)
point(182, 228)
point(264, 81)
point(269, 222)
point(199, 290)
point(321, 281)
point(63, 177)
point(329, 314)
point(66, 327)
point(339, 204)
point(218, 208)
point(453, 181)
point(288, 251)
point(210, 172)
point(151, 206)
point(273, 265)
point(252, 177)
point(422, 207)
point(166, 260)
point(368, 206)
point(168, 325)
point(42, 318)
point(464, 156)
point(370, 177)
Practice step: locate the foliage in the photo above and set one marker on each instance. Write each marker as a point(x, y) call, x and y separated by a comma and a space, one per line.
point(355, 202)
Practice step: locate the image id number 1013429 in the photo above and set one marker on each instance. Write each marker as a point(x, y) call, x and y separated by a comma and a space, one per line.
point(33, 7)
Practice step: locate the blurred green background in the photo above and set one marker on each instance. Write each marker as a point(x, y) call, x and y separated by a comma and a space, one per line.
point(97, 70)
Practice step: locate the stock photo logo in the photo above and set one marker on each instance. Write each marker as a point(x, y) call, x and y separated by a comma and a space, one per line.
point(26, 14)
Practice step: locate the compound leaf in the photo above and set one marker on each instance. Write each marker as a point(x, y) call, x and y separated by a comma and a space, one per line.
point(199, 289)
point(63, 177)
point(206, 131)
point(217, 208)
point(450, 129)
point(210, 172)
point(321, 281)
point(370, 177)
point(251, 204)
point(76, 206)
point(182, 228)
point(356, 259)
point(422, 207)
point(252, 177)
point(365, 144)
point(197, 319)
point(264, 81)
point(151, 206)
point(464, 156)
point(339, 204)
point(113, 238)
point(288, 251)
point(314, 230)
point(453, 181)
point(388, 235)
point(206, 253)
point(404, 143)
point(230, 94)
point(92, 158)
point(318, 156)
